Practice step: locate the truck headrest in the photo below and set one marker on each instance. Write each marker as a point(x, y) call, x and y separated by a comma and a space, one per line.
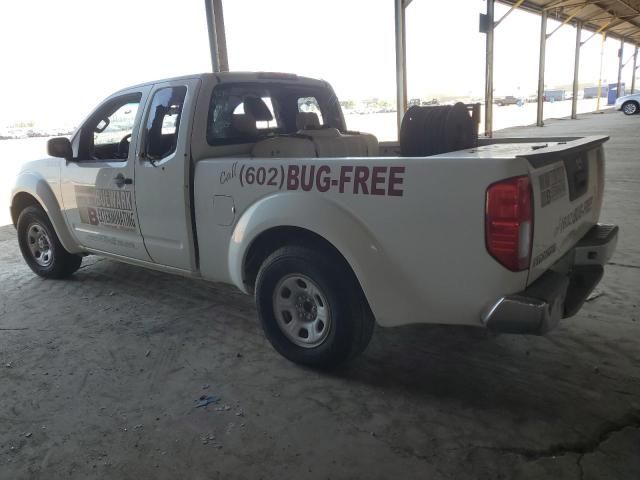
point(256, 107)
point(244, 124)
point(307, 121)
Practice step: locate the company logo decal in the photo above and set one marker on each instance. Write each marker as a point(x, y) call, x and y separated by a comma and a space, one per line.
point(104, 207)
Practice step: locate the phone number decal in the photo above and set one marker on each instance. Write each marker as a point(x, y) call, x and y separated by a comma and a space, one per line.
point(357, 180)
point(270, 176)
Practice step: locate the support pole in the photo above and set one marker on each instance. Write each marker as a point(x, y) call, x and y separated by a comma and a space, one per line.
point(217, 36)
point(221, 35)
point(620, 55)
point(213, 36)
point(543, 45)
point(488, 79)
point(635, 67)
point(576, 71)
point(604, 40)
point(401, 62)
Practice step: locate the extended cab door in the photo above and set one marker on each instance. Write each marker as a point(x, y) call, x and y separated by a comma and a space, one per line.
point(163, 174)
point(98, 184)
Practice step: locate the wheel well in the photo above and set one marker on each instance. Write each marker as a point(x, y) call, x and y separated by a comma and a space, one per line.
point(270, 240)
point(21, 201)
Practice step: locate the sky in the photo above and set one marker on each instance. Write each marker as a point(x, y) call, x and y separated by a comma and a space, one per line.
point(61, 58)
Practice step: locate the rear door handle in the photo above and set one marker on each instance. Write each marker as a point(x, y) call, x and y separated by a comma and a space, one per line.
point(121, 181)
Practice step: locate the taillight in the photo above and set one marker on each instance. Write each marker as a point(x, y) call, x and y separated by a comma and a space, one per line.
point(509, 222)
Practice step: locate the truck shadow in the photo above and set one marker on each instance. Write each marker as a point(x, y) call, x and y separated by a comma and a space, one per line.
point(551, 379)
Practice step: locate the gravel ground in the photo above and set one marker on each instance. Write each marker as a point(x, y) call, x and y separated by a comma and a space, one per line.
point(99, 378)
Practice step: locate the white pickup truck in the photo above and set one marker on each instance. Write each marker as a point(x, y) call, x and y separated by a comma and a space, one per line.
point(252, 179)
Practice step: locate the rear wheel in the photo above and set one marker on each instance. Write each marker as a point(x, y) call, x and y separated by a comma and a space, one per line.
point(630, 108)
point(41, 248)
point(311, 307)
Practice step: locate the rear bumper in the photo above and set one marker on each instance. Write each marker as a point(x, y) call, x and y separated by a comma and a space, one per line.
point(558, 293)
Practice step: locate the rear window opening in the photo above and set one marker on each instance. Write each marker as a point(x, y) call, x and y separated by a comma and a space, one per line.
point(250, 112)
point(261, 124)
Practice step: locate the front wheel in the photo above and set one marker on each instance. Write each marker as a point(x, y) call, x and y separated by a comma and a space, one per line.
point(630, 108)
point(41, 248)
point(311, 307)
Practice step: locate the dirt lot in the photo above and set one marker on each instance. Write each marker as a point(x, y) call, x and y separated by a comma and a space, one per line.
point(99, 374)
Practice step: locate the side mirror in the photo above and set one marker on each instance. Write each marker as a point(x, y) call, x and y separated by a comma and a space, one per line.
point(60, 147)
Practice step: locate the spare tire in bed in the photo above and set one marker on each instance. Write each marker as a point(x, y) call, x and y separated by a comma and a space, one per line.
point(432, 130)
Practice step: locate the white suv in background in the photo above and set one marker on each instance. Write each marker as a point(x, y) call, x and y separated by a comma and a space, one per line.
point(629, 104)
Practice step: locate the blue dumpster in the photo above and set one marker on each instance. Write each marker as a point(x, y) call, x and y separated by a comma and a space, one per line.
point(613, 92)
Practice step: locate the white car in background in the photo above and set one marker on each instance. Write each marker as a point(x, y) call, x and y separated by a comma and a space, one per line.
point(629, 104)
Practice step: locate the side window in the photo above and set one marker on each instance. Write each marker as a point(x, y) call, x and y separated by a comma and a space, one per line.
point(163, 122)
point(310, 105)
point(106, 135)
point(117, 125)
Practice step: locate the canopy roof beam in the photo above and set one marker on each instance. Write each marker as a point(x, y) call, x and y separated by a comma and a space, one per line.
point(513, 7)
point(600, 30)
point(565, 3)
point(625, 14)
point(629, 6)
point(566, 20)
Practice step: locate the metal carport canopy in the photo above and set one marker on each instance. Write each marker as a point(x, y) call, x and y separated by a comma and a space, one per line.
point(619, 18)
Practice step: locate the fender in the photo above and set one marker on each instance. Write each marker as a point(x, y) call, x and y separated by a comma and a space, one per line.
point(35, 185)
point(378, 278)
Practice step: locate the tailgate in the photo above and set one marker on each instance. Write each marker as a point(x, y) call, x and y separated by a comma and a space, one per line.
point(567, 180)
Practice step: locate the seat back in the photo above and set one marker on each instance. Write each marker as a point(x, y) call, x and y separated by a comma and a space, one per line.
point(307, 121)
point(244, 124)
point(284, 147)
point(311, 140)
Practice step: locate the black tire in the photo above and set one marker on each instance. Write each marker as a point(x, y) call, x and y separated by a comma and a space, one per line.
point(351, 322)
point(56, 262)
point(630, 108)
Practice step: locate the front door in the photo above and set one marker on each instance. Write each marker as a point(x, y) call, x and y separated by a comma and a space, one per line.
point(163, 174)
point(98, 185)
